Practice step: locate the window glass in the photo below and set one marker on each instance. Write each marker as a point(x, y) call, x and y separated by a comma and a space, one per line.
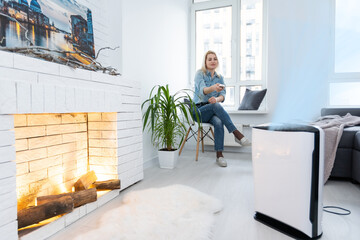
point(347, 36)
point(213, 32)
point(213, 22)
point(230, 96)
point(251, 40)
point(345, 93)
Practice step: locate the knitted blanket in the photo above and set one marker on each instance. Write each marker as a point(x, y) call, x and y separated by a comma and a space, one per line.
point(333, 126)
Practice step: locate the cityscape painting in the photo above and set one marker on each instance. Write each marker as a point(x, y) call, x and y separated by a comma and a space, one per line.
point(61, 25)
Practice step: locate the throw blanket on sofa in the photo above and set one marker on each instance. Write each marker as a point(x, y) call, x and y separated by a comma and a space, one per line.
point(333, 126)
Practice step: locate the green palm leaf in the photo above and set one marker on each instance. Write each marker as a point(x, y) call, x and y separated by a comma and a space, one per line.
point(165, 116)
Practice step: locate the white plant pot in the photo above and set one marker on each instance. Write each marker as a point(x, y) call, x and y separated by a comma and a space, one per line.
point(168, 159)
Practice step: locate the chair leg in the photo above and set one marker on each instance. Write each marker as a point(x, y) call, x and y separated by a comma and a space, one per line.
point(183, 143)
point(197, 144)
point(202, 140)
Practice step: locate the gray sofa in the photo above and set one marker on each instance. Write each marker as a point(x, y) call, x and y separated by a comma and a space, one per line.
point(347, 161)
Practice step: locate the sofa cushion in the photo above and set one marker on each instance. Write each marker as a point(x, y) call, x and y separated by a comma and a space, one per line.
point(357, 141)
point(356, 165)
point(348, 137)
point(252, 99)
point(343, 163)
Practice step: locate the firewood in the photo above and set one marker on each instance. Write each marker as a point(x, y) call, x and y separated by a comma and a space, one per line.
point(37, 214)
point(80, 198)
point(107, 185)
point(85, 181)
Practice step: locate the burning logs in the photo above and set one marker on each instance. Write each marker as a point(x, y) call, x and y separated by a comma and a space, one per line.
point(47, 210)
point(80, 198)
point(107, 185)
point(85, 181)
point(53, 205)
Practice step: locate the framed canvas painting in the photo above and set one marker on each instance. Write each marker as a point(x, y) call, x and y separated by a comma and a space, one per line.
point(63, 26)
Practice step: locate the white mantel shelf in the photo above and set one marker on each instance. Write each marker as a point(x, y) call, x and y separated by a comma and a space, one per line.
point(30, 85)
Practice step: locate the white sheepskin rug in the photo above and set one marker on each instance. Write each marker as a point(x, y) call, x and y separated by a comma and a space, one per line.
point(175, 212)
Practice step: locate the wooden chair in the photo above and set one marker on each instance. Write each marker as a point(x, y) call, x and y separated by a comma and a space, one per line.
point(199, 134)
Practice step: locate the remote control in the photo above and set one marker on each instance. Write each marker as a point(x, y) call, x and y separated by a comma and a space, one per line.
point(222, 85)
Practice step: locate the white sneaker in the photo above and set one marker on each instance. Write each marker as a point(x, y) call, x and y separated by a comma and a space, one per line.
point(221, 162)
point(243, 142)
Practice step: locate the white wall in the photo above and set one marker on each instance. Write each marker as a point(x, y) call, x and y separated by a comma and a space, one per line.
point(298, 61)
point(155, 40)
point(113, 13)
point(155, 47)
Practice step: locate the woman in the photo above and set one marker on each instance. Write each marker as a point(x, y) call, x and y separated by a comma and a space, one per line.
point(209, 92)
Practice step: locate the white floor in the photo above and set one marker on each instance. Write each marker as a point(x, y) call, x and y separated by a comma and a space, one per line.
point(234, 186)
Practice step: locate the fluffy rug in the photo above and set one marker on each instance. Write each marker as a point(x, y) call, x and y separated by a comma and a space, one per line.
point(175, 212)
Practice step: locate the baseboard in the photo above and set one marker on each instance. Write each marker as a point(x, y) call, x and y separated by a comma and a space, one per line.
point(151, 162)
point(237, 149)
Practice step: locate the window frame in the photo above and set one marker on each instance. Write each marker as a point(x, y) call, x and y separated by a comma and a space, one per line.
point(337, 77)
point(234, 81)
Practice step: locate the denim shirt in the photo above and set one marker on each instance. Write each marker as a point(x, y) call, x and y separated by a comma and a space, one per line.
point(204, 80)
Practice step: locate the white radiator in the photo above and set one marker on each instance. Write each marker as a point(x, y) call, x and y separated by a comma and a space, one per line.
point(229, 137)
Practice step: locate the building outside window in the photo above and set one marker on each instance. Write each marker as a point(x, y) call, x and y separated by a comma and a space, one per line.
point(236, 34)
point(344, 86)
point(216, 37)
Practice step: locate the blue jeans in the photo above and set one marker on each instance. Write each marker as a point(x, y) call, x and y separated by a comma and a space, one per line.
point(217, 116)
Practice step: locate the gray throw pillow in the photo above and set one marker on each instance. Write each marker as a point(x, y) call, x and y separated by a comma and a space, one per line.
point(252, 99)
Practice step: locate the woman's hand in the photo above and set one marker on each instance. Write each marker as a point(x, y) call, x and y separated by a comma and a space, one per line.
point(217, 87)
point(212, 100)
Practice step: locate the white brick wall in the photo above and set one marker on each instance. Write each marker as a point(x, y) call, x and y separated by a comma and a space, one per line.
point(8, 209)
point(9, 231)
point(31, 86)
point(57, 93)
point(7, 96)
point(103, 145)
point(51, 148)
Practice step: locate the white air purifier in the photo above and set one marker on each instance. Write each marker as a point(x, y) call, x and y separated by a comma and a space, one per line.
point(288, 165)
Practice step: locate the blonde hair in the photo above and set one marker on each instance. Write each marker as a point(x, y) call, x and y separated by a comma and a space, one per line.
point(203, 67)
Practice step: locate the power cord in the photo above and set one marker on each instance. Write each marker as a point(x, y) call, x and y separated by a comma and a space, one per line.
point(346, 211)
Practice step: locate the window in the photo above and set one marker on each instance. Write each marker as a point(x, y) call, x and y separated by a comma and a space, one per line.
point(344, 85)
point(347, 36)
point(213, 37)
point(251, 41)
point(230, 96)
point(345, 93)
point(236, 34)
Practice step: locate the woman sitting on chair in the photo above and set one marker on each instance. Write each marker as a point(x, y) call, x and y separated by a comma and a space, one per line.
point(209, 91)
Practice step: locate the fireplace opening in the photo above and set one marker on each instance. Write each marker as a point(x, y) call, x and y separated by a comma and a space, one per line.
point(61, 156)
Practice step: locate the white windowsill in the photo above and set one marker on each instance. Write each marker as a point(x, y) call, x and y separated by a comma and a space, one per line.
point(247, 112)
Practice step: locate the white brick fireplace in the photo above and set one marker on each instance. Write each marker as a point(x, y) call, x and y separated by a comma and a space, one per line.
point(47, 110)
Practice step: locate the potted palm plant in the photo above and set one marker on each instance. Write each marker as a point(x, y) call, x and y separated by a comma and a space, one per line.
point(165, 116)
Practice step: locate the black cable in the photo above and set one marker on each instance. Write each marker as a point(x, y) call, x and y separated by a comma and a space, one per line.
point(346, 211)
